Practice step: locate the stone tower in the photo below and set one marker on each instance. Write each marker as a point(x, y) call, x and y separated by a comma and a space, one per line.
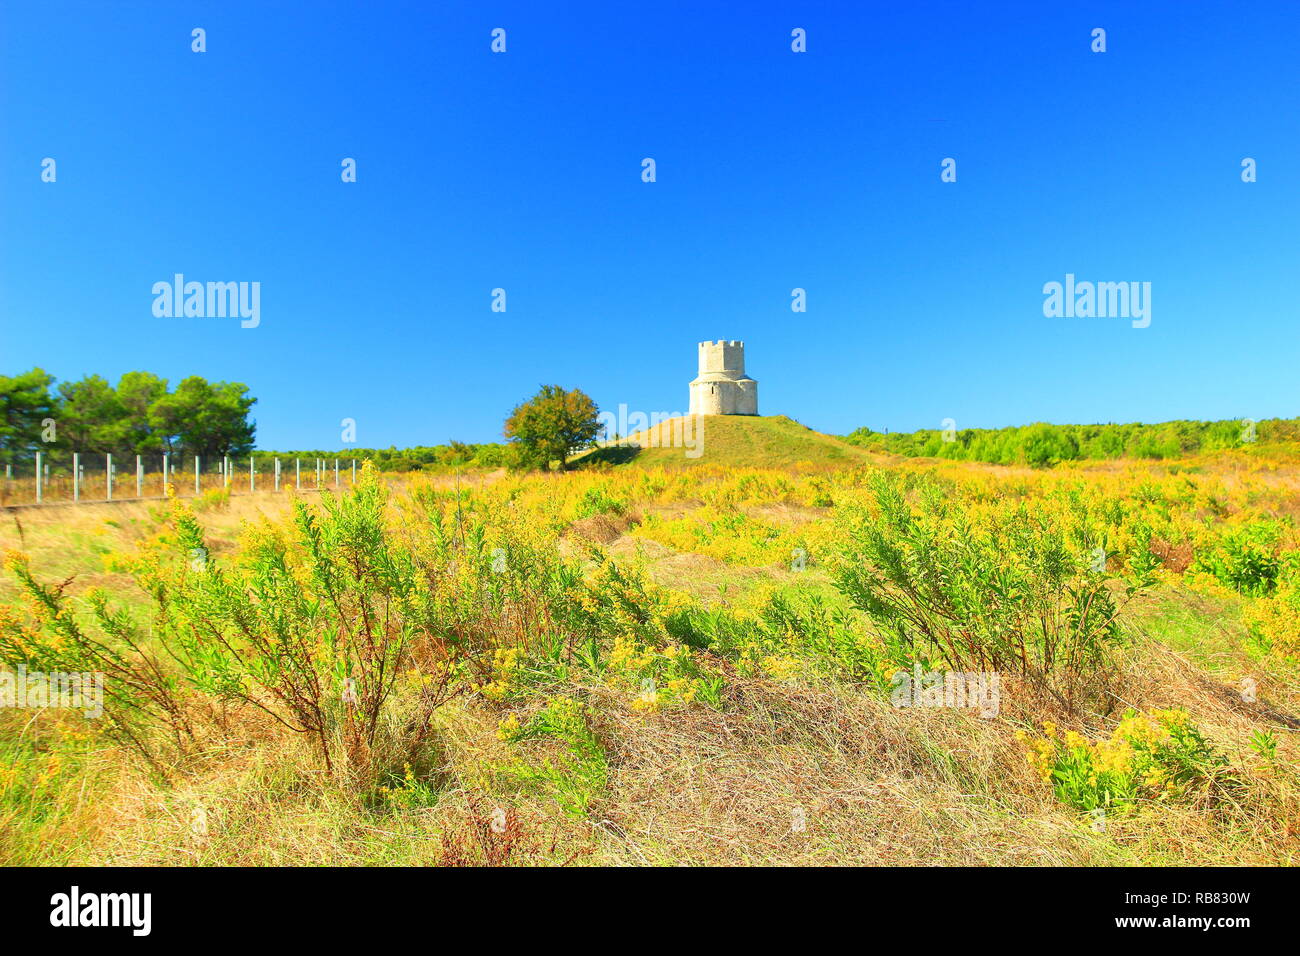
point(722, 387)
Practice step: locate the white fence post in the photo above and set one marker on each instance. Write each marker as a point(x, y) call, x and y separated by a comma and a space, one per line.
point(108, 477)
point(297, 474)
point(196, 474)
point(354, 471)
point(251, 473)
point(38, 477)
point(76, 477)
point(165, 474)
point(336, 472)
point(139, 477)
point(277, 474)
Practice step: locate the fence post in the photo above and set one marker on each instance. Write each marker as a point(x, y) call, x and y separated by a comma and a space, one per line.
point(336, 472)
point(196, 474)
point(76, 477)
point(277, 474)
point(225, 471)
point(354, 471)
point(139, 477)
point(164, 474)
point(251, 473)
point(108, 477)
point(297, 474)
point(38, 477)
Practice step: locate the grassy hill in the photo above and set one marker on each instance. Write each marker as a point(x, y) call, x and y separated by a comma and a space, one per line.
point(733, 440)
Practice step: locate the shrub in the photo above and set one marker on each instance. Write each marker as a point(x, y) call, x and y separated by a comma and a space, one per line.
point(1245, 559)
point(313, 624)
point(661, 676)
point(1274, 621)
point(597, 501)
point(1160, 756)
point(577, 776)
point(1002, 587)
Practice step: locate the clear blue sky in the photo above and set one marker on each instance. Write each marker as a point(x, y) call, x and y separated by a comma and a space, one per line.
point(776, 170)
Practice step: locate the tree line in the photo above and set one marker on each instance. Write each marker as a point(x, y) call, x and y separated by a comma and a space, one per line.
point(1041, 444)
point(548, 428)
point(143, 415)
point(140, 415)
point(454, 454)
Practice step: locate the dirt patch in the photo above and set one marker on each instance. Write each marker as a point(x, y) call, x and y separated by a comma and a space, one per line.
point(1175, 557)
point(601, 529)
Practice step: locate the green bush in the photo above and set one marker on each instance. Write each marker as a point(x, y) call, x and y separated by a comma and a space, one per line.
point(1246, 559)
point(1004, 588)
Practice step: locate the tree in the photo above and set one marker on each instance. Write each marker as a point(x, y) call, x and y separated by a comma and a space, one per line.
point(25, 403)
point(91, 417)
point(137, 393)
point(553, 424)
point(204, 418)
point(137, 417)
point(1045, 444)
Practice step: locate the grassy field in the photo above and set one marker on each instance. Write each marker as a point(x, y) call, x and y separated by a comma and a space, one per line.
point(638, 663)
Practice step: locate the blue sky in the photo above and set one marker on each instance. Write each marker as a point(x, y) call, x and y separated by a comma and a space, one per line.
point(775, 170)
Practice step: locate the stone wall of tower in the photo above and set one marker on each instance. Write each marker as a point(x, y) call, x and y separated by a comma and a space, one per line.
point(723, 357)
point(711, 398)
point(746, 398)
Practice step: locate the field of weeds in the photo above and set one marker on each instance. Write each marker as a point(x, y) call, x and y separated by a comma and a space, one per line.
point(911, 664)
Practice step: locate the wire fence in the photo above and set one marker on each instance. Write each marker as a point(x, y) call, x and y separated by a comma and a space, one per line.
point(98, 478)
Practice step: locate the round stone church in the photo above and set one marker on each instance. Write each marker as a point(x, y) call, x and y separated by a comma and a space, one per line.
point(722, 387)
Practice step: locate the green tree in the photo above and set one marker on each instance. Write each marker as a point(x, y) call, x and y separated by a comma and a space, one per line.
point(137, 393)
point(204, 418)
point(91, 417)
point(1045, 444)
point(25, 402)
point(553, 424)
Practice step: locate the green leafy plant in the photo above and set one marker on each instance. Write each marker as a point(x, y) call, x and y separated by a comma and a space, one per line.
point(1159, 756)
point(313, 625)
point(1004, 587)
point(579, 773)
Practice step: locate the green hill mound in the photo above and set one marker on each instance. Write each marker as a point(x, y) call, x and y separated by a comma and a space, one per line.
point(732, 440)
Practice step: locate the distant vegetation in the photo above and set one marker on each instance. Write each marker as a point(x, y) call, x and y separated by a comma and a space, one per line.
point(548, 427)
point(1041, 444)
point(454, 454)
point(140, 415)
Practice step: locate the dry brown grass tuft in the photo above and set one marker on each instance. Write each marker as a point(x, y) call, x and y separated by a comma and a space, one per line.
point(874, 784)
